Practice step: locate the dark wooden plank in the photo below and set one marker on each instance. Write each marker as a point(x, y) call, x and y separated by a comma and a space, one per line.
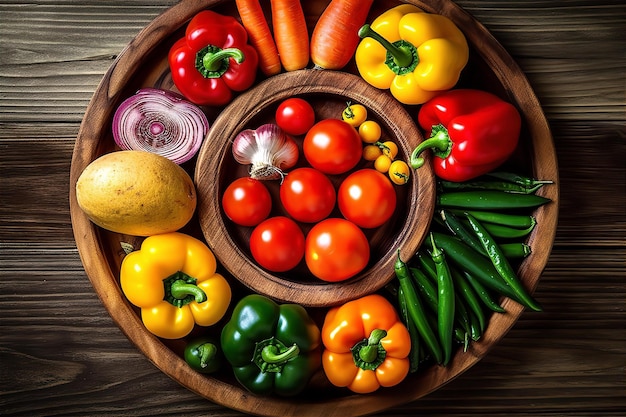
point(591, 159)
point(55, 53)
point(35, 181)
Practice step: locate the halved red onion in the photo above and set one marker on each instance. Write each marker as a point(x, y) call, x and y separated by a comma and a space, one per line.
point(161, 122)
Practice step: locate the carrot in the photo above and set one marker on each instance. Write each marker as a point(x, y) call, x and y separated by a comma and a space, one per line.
point(336, 33)
point(254, 21)
point(291, 33)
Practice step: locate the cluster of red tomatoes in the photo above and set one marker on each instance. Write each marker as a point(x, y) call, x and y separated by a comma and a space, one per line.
point(335, 248)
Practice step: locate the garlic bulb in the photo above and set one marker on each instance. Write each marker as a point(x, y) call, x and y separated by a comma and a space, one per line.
point(268, 149)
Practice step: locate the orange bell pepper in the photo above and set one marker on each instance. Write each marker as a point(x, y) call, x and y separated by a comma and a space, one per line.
point(366, 345)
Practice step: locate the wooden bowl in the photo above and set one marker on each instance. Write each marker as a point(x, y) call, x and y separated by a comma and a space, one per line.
point(143, 63)
point(328, 92)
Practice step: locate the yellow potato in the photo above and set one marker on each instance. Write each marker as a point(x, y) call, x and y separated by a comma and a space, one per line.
point(136, 193)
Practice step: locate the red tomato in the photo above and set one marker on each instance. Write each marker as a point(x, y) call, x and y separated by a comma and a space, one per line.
point(336, 249)
point(332, 146)
point(247, 202)
point(307, 195)
point(295, 116)
point(367, 198)
point(277, 244)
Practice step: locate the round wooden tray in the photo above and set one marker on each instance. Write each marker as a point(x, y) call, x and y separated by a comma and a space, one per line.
point(143, 63)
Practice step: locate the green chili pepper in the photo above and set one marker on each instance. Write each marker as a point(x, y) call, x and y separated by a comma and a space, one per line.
point(501, 264)
point(505, 232)
point(518, 221)
point(489, 200)
point(515, 250)
point(462, 337)
point(428, 290)
point(480, 267)
point(511, 249)
point(518, 179)
point(416, 310)
point(445, 312)
point(457, 228)
point(461, 314)
point(469, 296)
point(508, 187)
point(425, 288)
point(427, 264)
point(483, 294)
point(476, 330)
point(414, 354)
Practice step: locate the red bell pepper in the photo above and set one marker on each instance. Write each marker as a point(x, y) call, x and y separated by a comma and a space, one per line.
point(472, 133)
point(213, 59)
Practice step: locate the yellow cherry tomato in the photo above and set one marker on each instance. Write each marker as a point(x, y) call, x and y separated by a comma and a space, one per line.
point(354, 114)
point(371, 152)
point(399, 172)
point(382, 163)
point(370, 131)
point(390, 149)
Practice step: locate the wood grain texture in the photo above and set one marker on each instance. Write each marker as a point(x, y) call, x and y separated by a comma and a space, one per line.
point(60, 352)
point(142, 63)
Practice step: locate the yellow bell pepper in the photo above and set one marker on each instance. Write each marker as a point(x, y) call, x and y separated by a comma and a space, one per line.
point(413, 54)
point(173, 279)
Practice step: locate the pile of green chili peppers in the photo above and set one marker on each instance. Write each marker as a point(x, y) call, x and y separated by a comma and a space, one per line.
point(447, 291)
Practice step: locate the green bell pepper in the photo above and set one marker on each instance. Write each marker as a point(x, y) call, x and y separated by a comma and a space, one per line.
point(273, 349)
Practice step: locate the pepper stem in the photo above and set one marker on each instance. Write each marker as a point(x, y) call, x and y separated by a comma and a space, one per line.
point(439, 142)
point(213, 62)
point(368, 354)
point(181, 289)
point(270, 355)
point(436, 253)
point(403, 53)
point(207, 352)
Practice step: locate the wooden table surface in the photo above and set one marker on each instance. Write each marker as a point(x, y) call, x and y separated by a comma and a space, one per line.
point(60, 352)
